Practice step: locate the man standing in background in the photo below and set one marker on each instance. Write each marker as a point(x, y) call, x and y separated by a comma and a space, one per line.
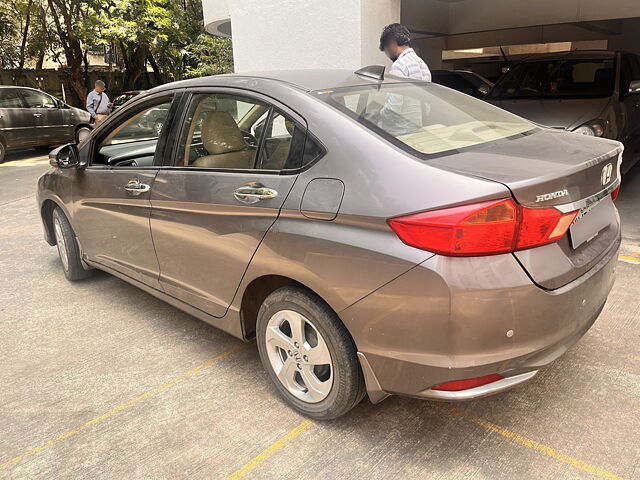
point(98, 103)
point(395, 42)
point(402, 115)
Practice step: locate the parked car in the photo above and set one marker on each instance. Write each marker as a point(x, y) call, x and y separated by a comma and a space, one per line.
point(32, 118)
point(594, 93)
point(123, 98)
point(463, 81)
point(375, 235)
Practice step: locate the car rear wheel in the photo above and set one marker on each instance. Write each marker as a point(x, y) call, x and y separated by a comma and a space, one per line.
point(3, 151)
point(68, 248)
point(308, 354)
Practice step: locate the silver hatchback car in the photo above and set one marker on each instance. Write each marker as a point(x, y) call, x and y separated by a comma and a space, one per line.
point(374, 234)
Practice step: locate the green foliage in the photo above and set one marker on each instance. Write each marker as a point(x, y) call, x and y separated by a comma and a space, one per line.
point(209, 55)
point(167, 35)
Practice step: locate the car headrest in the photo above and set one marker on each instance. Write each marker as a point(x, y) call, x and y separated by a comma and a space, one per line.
point(220, 134)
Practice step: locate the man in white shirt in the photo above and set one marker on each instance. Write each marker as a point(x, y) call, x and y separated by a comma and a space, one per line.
point(402, 115)
point(395, 42)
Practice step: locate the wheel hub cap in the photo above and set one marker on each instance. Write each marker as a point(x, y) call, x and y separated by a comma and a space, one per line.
point(62, 250)
point(299, 356)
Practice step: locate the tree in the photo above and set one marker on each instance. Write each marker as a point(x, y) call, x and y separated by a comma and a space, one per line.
point(75, 26)
point(209, 55)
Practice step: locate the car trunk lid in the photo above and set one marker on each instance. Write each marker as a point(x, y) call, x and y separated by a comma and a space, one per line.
point(554, 169)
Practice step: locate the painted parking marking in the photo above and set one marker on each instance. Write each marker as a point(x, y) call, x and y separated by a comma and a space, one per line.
point(26, 163)
point(527, 442)
point(629, 259)
point(269, 451)
point(121, 407)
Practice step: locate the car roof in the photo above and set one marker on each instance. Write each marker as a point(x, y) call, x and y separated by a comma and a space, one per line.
point(570, 54)
point(307, 80)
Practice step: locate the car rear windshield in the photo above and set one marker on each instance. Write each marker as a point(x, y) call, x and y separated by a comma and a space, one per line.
point(424, 118)
point(577, 78)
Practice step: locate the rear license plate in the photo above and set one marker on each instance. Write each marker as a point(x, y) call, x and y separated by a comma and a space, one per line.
point(590, 221)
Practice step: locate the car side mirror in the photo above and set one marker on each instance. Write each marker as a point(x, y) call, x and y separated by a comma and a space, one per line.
point(65, 156)
point(634, 87)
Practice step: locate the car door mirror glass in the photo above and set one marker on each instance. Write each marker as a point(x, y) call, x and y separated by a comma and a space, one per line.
point(634, 87)
point(65, 156)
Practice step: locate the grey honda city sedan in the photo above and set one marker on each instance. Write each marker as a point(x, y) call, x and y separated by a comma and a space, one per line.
point(375, 235)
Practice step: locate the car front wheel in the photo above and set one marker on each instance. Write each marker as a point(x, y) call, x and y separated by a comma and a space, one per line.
point(68, 247)
point(308, 354)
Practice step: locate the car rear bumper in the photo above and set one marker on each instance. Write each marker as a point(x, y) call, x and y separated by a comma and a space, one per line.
point(457, 318)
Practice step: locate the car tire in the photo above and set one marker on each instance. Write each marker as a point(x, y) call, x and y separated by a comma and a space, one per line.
point(82, 133)
point(3, 151)
point(68, 247)
point(296, 333)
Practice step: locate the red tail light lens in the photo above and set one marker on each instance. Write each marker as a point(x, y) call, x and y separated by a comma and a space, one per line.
point(614, 194)
point(486, 228)
point(458, 385)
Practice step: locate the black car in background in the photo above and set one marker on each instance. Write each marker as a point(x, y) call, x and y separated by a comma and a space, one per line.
point(463, 81)
point(32, 118)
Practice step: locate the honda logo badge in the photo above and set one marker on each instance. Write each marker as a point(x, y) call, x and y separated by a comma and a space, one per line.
point(605, 176)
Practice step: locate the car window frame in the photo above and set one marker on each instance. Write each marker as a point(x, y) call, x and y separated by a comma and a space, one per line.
point(20, 98)
point(271, 102)
point(131, 109)
point(44, 94)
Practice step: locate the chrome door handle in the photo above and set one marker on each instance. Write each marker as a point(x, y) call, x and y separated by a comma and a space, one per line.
point(253, 193)
point(134, 187)
point(38, 115)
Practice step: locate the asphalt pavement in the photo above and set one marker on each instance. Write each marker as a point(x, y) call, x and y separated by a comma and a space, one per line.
point(100, 380)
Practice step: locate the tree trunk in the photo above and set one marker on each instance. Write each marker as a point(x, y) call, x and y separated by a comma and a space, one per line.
point(25, 34)
point(157, 74)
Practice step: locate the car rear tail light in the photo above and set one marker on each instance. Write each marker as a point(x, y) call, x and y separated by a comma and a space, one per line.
point(486, 228)
point(457, 385)
point(614, 194)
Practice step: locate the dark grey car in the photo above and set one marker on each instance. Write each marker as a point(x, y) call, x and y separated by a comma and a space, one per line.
point(595, 93)
point(381, 236)
point(32, 118)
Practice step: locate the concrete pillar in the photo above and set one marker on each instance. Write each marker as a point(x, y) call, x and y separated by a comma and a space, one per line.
point(290, 34)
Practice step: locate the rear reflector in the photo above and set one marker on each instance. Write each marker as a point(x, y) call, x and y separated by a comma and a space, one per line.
point(468, 383)
point(486, 228)
point(614, 194)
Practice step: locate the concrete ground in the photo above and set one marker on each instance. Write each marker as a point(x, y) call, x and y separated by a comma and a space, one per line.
point(101, 380)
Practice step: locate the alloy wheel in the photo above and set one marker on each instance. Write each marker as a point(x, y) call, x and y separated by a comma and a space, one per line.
point(299, 356)
point(62, 247)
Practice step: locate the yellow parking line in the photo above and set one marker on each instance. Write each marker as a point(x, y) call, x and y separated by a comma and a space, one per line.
point(629, 259)
point(551, 452)
point(270, 450)
point(121, 407)
point(19, 163)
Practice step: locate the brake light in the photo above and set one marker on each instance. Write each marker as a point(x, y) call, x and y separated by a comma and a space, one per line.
point(457, 385)
point(486, 228)
point(614, 194)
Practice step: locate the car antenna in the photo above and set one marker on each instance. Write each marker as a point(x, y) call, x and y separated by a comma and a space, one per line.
point(372, 71)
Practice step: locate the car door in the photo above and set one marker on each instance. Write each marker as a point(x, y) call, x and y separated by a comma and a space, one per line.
point(111, 196)
point(47, 117)
point(234, 164)
point(16, 121)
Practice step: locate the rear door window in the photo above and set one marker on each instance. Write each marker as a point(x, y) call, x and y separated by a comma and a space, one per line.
point(9, 98)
